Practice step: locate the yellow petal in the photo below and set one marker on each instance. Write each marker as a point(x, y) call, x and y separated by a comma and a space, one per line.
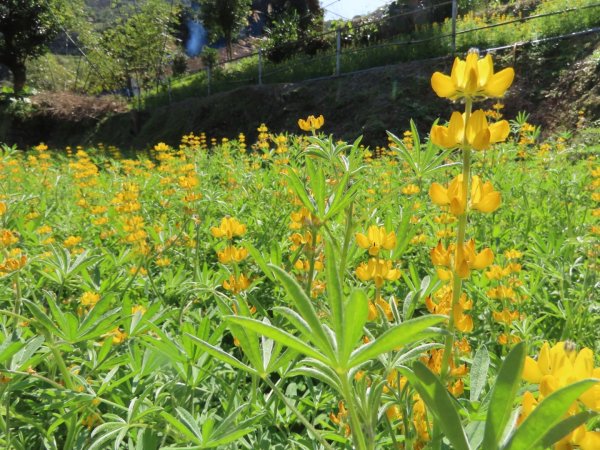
point(456, 128)
point(544, 359)
point(483, 259)
point(438, 194)
point(362, 240)
point(443, 274)
point(489, 203)
point(499, 82)
point(482, 140)
point(458, 71)
point(389, 242)
point(589, 441)
point(457, 206)
point(548, 384)
point(591, 398)
point(463, 322)
point(439, 135)
point(463, 269)
point(531, 371)
point(499, 131)
point(477, 123)
point(584, 364)
point(442, 85)
point(485, 69)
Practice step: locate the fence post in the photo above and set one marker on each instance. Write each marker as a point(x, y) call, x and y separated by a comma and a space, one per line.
point(208, 78)
point(338, 51)
point(260, 66)
point(454, 14)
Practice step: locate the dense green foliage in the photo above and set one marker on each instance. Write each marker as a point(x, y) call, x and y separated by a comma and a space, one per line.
point(126, 324)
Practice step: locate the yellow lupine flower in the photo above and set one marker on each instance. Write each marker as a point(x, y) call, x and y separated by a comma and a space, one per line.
point(378, 270)
point(461, 260)
point(228, 228)
point(8, 238)
point(477, 132)
point(560, 366)
point(376, 239)
point(311, 123)
point(89, 299)
point(472, 78)
point(483, 196)
point(232, 253)
point(236, 284)
point(72, 241)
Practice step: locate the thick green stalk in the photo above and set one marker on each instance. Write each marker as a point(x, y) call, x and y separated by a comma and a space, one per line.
point(460, 241)
point(358, 436)
point(312, 255)
point(347, 239)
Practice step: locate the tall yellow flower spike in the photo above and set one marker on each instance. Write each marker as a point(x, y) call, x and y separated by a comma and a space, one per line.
point(472, 78)
point(376, 239)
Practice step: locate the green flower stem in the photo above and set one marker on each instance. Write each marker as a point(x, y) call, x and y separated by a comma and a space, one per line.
point(460, 240)
point(358, 436)
point(300, 416)
point(313, 257)
point(347, 240)
point(17, 306)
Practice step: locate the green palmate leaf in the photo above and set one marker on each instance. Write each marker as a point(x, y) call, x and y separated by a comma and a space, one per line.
point(356, 312)
point(405, 333)
point(438, 401)
point(503, 396)
point(191, 424)
point(305, 308)
point(247, 338)
point(546, 416)
point(342, 197)
point(298, 188)
point(296, 320)
point(9, 348)
point(23, 358)
point(335, 294)
point(258, 258)
point(42, 318)
point(324, 374)
point(415, 135)
point(479, 371)
point(278, 335)
point(221, 355)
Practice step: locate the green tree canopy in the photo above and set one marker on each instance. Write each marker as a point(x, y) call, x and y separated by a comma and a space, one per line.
point(135, 48)
point(26, 27)
point(225, 18)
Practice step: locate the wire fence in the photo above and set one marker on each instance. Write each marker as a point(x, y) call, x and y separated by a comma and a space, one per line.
point(427, 41)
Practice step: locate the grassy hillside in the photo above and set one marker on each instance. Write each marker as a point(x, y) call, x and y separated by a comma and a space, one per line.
point(553, 82)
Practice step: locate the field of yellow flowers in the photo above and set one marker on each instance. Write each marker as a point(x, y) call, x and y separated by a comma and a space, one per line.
point(303, 293)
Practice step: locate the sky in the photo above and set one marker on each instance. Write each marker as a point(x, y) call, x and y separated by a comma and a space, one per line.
point(349, 8)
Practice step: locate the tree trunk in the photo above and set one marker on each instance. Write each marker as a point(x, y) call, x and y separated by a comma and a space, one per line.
point(19, 72)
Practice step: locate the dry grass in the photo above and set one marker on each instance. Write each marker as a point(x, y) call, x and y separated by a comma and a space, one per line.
point(71, 106)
